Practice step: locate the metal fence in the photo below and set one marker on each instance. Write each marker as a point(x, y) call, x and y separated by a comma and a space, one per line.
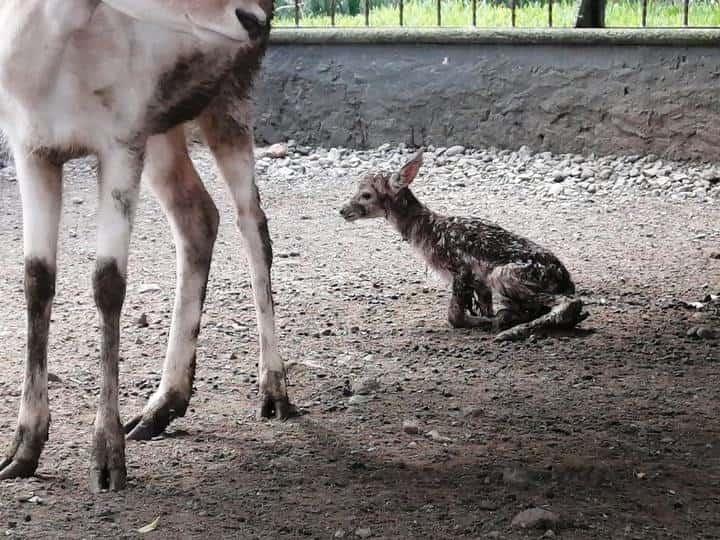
point(588, 14)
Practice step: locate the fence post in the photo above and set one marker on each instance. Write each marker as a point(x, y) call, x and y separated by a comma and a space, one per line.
point(591, 14)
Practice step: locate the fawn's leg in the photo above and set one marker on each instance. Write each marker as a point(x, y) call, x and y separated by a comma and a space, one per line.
point(41, 192)
point(464, 287)
point(119, 184)
point(194, 221)
point(564, 314)
point(230, 137)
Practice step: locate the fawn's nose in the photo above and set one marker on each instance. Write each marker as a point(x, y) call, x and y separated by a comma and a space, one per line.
point(250, 22)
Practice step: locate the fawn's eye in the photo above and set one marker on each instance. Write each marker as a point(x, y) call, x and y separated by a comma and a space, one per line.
point(366, 196)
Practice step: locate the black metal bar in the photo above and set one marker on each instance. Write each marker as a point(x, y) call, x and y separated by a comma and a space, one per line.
point(550, 6)
point(332, 12)
point(439, 13)
point(512, 12)
point(297, 13)
point(474, 11)
point(643, 21)
point(367, 12)
point(686, 12)
point(401, 12)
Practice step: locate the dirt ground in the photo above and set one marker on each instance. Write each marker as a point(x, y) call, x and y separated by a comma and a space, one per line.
point(614, 428)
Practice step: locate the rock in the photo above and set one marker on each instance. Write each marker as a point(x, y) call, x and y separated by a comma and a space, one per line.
point(142, 321)
point(54, 378)
point(277, 151)
point(516, 477)
point(149, 287)
point(715, 255)
point(359, 400)
point(363, 532)
point(435, 436)
point(703, 332)
point(473, 412)
point(535, 518)
point(411, 427)
point(340, 533)
point(77, 200)
point(334, 155)
point(365, 386)
point(454, 151)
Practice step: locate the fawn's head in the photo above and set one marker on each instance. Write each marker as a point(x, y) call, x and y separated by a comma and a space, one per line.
point(377, 191)
point(216, 21)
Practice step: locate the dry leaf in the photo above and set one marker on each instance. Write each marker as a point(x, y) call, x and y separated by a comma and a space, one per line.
point(150, 527)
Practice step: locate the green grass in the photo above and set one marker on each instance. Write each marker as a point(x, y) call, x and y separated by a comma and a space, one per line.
point(456, 13)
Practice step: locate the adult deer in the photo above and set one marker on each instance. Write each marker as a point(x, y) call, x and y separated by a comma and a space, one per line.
point(117, 79)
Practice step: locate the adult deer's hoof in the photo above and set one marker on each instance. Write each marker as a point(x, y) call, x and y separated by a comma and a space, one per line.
point(159, 412)
point(107, 470)
point(23, 456)
point(274, 401)
point(280, 409)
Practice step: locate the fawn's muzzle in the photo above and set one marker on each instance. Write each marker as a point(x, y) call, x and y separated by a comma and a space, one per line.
point(351, 212)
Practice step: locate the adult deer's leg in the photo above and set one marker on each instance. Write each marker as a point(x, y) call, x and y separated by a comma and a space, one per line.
point(194, 221)
point(119, 183)
point(41, 191)
point(230, 137)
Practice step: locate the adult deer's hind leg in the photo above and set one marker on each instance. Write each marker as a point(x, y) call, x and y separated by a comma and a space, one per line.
point(119, 185)
point(194, 221)
point(41, 192)
point(228, 130)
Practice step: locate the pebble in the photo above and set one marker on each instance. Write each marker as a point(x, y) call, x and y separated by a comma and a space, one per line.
point(454, 151)
point(435, 436)
point(411, 427)
point(542, 175)
point(365, 386)
point(142, 321)
point(359, 400)
point(149, 287)
point(363, 532)
point(276, 151)
point(535, 518)
point(78, 200)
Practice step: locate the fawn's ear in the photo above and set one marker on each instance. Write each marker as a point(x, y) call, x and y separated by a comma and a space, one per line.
point(408, 172)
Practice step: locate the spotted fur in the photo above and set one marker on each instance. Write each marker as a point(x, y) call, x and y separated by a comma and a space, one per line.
point(498, 278)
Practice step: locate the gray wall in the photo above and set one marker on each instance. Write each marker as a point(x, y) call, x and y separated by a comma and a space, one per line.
point(609, 96)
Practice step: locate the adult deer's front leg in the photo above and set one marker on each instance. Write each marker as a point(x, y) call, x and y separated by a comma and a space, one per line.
point(231, 141)
point(194, 222)
point(41, 192)
point(118, 198)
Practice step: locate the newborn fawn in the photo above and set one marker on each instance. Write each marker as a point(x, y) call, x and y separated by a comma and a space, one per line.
point(486, 265)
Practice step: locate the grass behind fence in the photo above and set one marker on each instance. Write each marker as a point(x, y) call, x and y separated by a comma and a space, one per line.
point(458, 13)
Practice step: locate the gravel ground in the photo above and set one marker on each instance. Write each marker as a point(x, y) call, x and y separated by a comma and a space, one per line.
point(410, 429)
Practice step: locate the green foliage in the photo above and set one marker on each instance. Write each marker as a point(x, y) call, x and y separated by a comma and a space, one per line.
point(529, 14)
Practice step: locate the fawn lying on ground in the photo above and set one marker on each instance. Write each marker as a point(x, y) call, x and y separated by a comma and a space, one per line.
point(486, 264)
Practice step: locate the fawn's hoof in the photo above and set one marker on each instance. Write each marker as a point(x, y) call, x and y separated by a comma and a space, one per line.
point(158, 414)
point(107, 470)
point(23, 456)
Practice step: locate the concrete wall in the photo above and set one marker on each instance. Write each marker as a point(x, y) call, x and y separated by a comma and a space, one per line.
point(564, 91)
